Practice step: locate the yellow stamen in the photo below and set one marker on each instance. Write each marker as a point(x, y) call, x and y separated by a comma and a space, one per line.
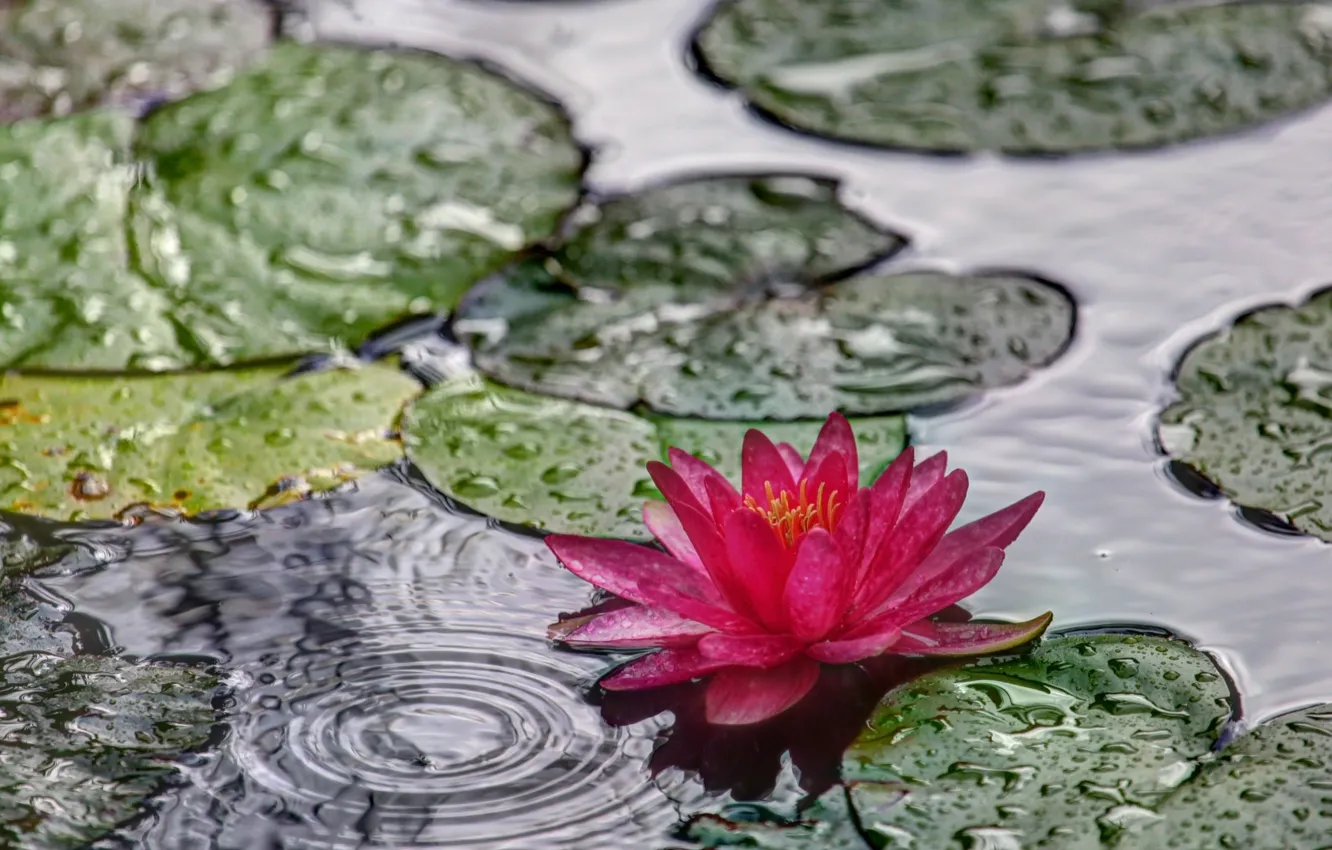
point(793, 514)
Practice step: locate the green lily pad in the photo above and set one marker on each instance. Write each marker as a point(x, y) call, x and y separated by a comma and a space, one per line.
point(79, 447)
point(62, 55)
point(322, 193)
point(1268, 790)
point(1020, 75)
point(577, 468)
point(752, 316)
point(1070, 745)
point(1253, 412)
point(87, 739)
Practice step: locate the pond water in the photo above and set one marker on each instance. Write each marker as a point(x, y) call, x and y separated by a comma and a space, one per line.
point(393, 680)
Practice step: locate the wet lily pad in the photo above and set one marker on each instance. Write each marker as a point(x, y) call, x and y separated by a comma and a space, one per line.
point(87, 739)
point(1020, 75)
point(1253, 412)
point(322, 193)
point(57, 56)
point(577, 468)
point(1070, 745)
point(78, 447)
point(757, 322)
point(1266, 791)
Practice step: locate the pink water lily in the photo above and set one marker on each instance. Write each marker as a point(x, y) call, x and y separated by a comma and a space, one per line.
point(799, 567)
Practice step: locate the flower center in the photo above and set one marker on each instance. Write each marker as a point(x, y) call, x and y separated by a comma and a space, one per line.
point(791, 515)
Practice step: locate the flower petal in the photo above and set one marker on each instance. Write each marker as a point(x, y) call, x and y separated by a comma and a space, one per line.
point(829, 478)
point(724, 498)
point(696, 473)
point(888, 493)
point(854, 649)
point(637, 627)
point(926, 637)
point(738, 696)
point(852, 525)
point(762, 464)
point(834, 438)
point(712, 551)
point(819, 589)
point(964, 577)
point(622, 567)
point(760, 563)
point(750, 650)
point(667, 667)
point(672, 598)
point(665, 526)
point(924, 477)
point(919, 530)
point(673, 486)
point(795, 462)
point(999, 529)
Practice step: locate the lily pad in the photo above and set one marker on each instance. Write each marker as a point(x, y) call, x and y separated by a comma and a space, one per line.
point(827, 824)
point(577, 468)
point(87, 739)
point(322, 193)
point(57, 56)
point(79, 447)
point(757, 321)
point(1069, 745)
point(1025, 76)
point(1253, 412)
point(1266, 791)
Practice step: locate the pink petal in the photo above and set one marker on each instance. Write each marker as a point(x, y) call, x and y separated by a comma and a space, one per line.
point(637, 627)
point(724, 498)
point(836, 438)
point(924, 477)
point(854, 649)
point(696, 474)
point(762, 464)
point(760, 562)
point(819, 589)
point(852, 526)
point(667, 667)
point(738, 696)
point(830, 476)
point(672, 598)
point(712, 551)
point(964, 577)
point(665, 526)
point(888, 493)
point(917, 533)
point(622, 567)
point(673, 486)
point(999, 529)
point(795, 462)
point(926, 637)
point(750, 650)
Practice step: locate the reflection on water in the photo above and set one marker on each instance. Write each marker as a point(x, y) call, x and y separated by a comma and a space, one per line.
point(394, 681)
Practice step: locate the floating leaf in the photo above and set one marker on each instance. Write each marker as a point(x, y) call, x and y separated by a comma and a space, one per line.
point(87, 739)
point(1020, 75)
point(1266, 791)
point(693, 323)
point(322, 193)
point(577, 468)
point(77, 447)
point(1253, 408)
point(825, 825)
point(1073, 743)
point(62, 55)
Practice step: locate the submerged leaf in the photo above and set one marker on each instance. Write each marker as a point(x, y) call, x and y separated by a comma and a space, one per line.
point(76, 447)
point(1253, 408)
point(322, 193)
point(1020, 75)
point(63, 55)
point(685, 321)
point(577, 468)
point(1073, 742)
point(87, 739)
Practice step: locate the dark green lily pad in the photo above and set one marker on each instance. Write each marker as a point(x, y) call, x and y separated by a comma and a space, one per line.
point(1020, 75)
point(749, 317)
point(1269, 790)
point(1070, 745)
point(87, 739)
point(57, 56)
point(321, 194)
point(78, 447)
point(1253, 412)
point(577, 468)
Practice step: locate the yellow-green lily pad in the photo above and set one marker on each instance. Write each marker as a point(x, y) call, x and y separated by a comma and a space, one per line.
point(75, 447)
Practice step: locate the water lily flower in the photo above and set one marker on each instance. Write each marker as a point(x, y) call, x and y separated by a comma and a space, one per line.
point(800, 567)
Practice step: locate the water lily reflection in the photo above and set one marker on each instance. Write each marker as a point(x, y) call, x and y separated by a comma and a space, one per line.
point(800, 567)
